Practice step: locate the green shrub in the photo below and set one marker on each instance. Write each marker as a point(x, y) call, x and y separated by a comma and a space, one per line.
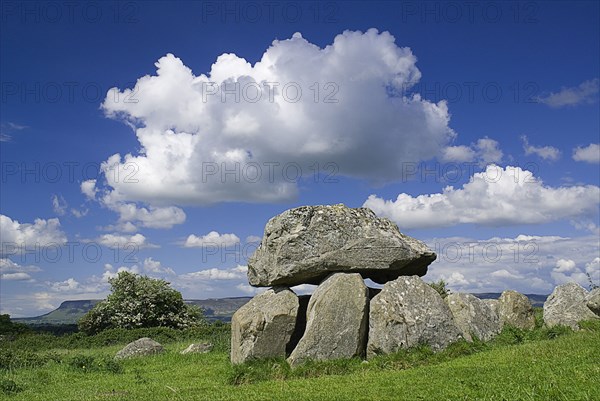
point(15, 359)
point(8, 387)
point(140, 301)
point(88, 363)
point(218, 335)
point(9, 327)
point(440, 287)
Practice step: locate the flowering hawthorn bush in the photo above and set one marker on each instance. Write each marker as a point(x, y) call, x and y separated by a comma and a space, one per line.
point(140, 301)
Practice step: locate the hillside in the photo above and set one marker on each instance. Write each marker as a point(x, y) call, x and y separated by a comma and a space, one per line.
point(69, 312)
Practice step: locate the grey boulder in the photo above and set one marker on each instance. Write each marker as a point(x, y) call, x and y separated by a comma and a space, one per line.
point(515, 309)
point(306, 244)
point(406, 313)
point(593, 301)
point(337, 319)
point(263, 327)
point(493, 305)
point(142, 347)
point(198, 348)
point(473, 317)
point(567, 306)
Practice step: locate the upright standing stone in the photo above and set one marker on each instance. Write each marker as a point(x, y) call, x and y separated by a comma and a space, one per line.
point(306, 244)
point(263, 327)
point(593, 301)
point(473, 316)
point(514, 309)
point(493, 305)
point(406, 313)
point(567, 306)
point(337, 319)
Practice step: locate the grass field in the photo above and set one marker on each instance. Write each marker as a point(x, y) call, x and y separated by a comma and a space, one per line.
point(545, 364)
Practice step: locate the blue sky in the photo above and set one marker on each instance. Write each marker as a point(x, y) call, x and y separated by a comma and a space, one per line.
point(498, 100)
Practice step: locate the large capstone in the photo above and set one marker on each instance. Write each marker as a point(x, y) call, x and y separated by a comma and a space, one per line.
point(473, 316)
point(263, 327)
point(306, 244)
point(567, 306)
point(337, 319)
point(406, 313)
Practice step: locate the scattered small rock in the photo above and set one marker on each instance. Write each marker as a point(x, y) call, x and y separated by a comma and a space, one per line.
point(142, 347)
point(199, 348)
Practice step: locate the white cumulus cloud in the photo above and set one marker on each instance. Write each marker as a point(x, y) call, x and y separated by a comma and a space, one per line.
point(213, 238)
point(12, 271)
point(117, 241)
point(485, 151)
point(526, 263)
point(589, 154)
point(566, 271)
point(18, 237)
point(238, 272)
point(129, 213)
point(496, 197)
point(199, 144)
point(88, 188)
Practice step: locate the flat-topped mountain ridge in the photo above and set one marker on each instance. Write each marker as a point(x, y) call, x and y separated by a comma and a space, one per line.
point(69, 312)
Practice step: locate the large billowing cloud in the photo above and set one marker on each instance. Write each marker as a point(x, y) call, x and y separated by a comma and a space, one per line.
point(497, 196)
point(200, 144)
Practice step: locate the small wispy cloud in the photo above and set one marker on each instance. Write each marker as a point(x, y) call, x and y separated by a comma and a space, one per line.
point(545, 152)
point(8, 129)
point(584, 93)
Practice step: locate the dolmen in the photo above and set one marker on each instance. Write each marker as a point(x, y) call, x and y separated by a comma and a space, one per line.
point(337, 248)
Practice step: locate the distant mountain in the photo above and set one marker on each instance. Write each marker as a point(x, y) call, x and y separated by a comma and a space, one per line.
point(69, 312)
point(535, 299)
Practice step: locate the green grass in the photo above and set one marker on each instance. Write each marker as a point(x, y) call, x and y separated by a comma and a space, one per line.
point(544, 364)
